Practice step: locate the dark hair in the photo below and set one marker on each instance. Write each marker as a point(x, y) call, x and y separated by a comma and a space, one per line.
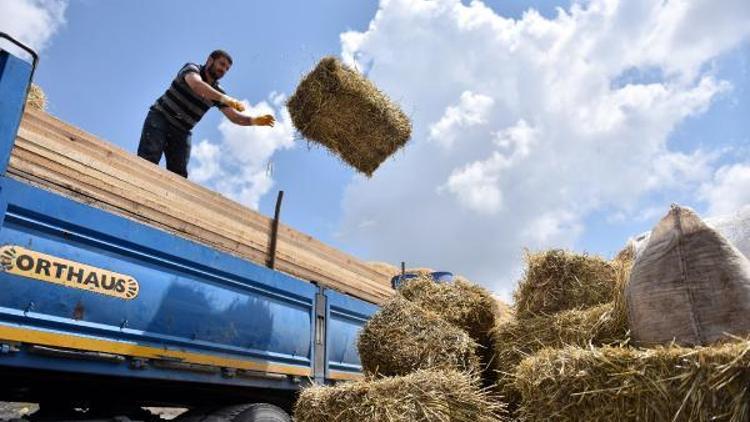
point(220, 53)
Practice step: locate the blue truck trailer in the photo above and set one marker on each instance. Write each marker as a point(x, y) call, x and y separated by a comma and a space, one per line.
point(104, 313)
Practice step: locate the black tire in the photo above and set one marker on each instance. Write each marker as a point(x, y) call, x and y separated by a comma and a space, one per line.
point(257, 412)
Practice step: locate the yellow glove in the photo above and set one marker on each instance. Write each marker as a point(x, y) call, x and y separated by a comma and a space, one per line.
point(265, 120)
point(232, 102)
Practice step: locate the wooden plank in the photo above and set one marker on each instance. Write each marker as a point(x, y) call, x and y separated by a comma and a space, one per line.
point(286, 233)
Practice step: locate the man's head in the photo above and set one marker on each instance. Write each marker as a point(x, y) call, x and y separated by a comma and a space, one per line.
point(218, 64)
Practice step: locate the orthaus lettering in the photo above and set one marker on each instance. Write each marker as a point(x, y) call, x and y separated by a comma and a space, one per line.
point(47, 268)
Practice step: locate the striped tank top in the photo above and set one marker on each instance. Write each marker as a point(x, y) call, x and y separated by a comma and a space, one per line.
point(180, 105)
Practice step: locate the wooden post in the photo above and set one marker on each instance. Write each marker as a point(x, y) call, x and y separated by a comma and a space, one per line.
point(274, 231)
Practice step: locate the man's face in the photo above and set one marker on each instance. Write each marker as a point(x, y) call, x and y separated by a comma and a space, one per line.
point(216, 68)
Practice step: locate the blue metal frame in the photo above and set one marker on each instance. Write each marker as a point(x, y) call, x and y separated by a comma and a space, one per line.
point(14, 83)
point(345, 316)
point(201, 300)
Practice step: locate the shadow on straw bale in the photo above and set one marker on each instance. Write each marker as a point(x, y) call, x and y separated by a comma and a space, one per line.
point(36, 99)
point(628, 384)
point(402, 337)
point(440, 396)
point(558, 280)
point(600, 325)
point(462, 303)
point(339, 108)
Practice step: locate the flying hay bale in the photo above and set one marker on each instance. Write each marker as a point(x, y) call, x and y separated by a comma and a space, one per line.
point(36, 99)
point(557, 280)
point(337, 107)
point(628, 384)
point(440, 396)
point(402, 337)
point(600, 325)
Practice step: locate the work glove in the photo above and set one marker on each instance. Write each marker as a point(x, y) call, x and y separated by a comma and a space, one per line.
point(232, 102)
point(265, 120)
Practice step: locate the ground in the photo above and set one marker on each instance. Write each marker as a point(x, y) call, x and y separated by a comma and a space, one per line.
point(15, 411)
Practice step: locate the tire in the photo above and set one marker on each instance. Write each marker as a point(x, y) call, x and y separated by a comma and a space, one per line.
point(263, 412)
point(257, 412)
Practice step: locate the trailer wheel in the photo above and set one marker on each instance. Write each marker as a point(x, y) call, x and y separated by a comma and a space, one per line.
point(256, 412)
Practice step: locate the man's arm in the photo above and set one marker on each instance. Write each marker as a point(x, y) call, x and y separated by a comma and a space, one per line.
point(245, 120)
point(206, 91)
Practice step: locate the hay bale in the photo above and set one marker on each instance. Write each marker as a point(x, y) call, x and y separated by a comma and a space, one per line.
point(518, 339)
point(627, 384)
point(462, 303)
point(36, 99)
point(600, 325)
point(337, 107)
point(402, 337)
point(447, 396)
point(557, 280)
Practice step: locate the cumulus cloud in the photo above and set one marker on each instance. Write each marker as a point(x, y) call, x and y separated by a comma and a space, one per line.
point(524, 127)
point(729, 190)
point(471, 110)
point(33, 22)
point(238, 165)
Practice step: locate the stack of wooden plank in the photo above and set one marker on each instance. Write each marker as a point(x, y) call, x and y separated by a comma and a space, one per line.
point(57, 156)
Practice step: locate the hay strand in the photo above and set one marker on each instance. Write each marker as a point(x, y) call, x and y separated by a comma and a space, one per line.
point(36, 99)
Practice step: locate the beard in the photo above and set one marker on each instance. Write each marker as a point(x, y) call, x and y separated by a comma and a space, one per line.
point(213, 73)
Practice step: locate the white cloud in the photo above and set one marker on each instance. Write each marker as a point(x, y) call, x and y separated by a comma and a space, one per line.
point(729, 191)
point(523, 128)
point(238, 165)
point(471, 110)
point(33, 22)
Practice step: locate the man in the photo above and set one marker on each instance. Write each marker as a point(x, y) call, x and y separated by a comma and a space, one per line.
point(168, 126)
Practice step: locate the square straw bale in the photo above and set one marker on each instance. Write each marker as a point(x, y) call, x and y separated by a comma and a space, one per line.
point(628, 384)
point(425, 395)
point(340, 109)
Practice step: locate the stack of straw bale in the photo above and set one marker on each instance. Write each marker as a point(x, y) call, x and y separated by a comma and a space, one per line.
point(339, 108)
point(572, 380)
point(585, 307)
point(36, 99)
point(421, 358)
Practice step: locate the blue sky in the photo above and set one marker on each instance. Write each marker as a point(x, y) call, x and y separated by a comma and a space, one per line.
point(570, 128)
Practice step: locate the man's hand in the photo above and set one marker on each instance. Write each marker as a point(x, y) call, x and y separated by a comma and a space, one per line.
point(265, 120)
point(232, 102)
